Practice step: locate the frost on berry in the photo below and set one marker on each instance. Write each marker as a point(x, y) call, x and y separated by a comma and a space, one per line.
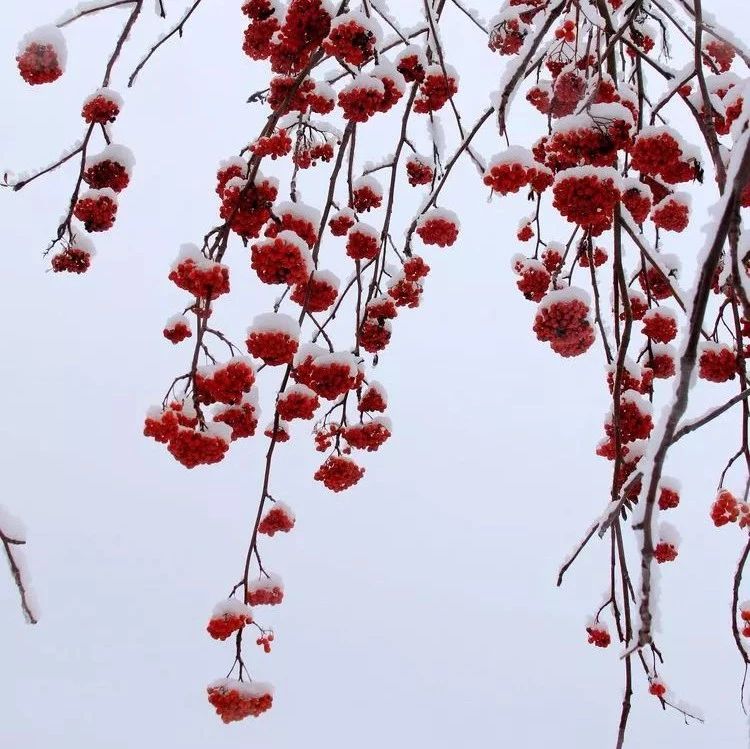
point(42, 55)
point(274, 338)
point(419, 170)
point(226, 382)
point(439, 84)
point(534, 278)
point(587, 196)
point(228, 617)
point(352, 38)
point(672, 213)
point(297, 402)
point(669, 493)
point(110, 168)
point(76, 257)
point(339, 473)
point(284, 259)
point(362, 98)
point(598, 634)
point(278, 518)
point(235, 700)
point(725, 509)
point(96, 209)
point(177, 329)
point(102, 107)
point(374, 398)
point(438, 226)
point(717, 362)
point(241, 417)
point(193, 446)
point(367, 193)
point(563, 320)
point(368, 435)
point(319, 293)
point(341, 222)
point(660, 324)
point(268, 590)
point(363, 242)
point(196, 274)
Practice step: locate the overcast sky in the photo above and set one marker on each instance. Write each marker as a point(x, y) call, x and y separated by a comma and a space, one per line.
point(420, 606)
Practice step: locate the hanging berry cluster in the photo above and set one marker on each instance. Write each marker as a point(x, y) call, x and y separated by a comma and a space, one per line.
point(608, 182)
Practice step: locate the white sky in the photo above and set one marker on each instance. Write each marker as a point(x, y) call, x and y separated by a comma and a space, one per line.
point(420, 606)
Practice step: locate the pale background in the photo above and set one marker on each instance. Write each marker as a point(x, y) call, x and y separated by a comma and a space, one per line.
point(420, 607)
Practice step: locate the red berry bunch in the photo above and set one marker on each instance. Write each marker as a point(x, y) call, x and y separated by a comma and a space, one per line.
point(224, 383)
point(717, 362)
point(363, 242)
point(373, 399)
point(665, 552)
point(721, 53)
point(177, 329)
point(352, 38)
point(507, 36)
point(657, 688)
point(102, 107)
point(562, 320)
point(659, 151)
point(274, 338)
point(672, 213)
point(319, 293)
point(669, 494)
point(333, 375)
point(247, 207)
point(438, 226)
point(341, 222)
point(419, 171)
point(534, 277)
point(369, 435)
point(111, 168)
point(297, 402)
point(277, 145)
point(566, 32)
point(660, 324)
point(279, 518)
point(266, 591)
point(237, 700)
point(366, 194)
point(411, 62)
point(162, 424)
point(227, 618)
point(637, 199)
point(277, 432)
point(283, 259)
point(97, 209)
point(75, 258)
point(362, 98)
point(635, 419)
point(587, 197)
point(339, 473)
point(242, 418)
point(662, 362)
point(437, 87)
point(196, 274)
point(193, 446)
point(725, 509)
point(374, 335)
point(598, 635)
point(41, 56)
